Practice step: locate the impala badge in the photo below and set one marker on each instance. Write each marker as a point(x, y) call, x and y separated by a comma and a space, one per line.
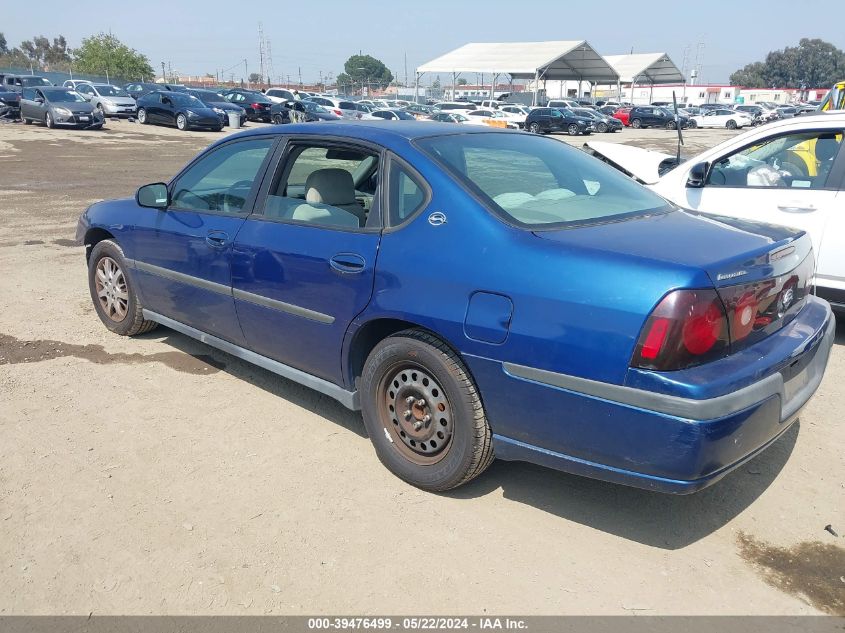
point(437, 218)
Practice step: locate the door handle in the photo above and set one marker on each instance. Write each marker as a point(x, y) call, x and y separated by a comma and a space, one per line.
point(217, 239)
point(796, 207)
point(348, 263)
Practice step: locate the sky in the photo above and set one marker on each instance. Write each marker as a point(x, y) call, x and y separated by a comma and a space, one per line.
point(197, 37)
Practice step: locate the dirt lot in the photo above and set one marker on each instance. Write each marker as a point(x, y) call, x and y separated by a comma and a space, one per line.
point(155, 475)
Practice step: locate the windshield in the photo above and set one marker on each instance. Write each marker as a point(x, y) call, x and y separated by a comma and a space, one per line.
point(34, 81)
point(404, 115)
point(208, 96)
point(111, 91)
point(184, 99)
point(63, 96)
point(539, 182)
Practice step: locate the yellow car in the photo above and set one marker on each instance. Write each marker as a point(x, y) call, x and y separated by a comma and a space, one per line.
point(835, 99)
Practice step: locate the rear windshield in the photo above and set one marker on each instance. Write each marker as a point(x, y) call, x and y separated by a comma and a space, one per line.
point(539, 182)
point(34, 81)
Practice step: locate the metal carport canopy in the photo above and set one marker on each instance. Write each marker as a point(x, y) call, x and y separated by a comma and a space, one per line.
point(653, 68)
point(566, 60)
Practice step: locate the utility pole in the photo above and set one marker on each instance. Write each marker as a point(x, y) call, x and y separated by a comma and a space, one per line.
point(163, 74)
point(246, 74)
point(299, 68)
point(260, 52)
point(406, 68)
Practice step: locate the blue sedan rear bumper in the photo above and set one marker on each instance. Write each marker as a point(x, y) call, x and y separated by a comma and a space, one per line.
point(677, 443)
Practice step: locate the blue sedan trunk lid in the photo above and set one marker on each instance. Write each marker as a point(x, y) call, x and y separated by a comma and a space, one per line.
point(729, 250)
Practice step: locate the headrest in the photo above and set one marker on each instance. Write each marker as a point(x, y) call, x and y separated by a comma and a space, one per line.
point(330, 186)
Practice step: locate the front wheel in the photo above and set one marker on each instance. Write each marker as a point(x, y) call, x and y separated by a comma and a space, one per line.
point(142, 116)
point(535, 128)
point(670, 125)
point(602, 127)
point(113, 291)
point(731, 125)
point(573, 130)
point(423, 413)
point(182, 122)
point(48, 121)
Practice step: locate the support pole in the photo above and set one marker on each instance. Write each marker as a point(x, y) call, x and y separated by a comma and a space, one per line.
point(536, 88)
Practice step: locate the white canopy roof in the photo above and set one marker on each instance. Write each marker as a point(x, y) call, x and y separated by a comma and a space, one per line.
point(523, 60)
point(652, 68)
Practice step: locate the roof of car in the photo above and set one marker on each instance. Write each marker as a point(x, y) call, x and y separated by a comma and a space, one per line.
point(375, 131)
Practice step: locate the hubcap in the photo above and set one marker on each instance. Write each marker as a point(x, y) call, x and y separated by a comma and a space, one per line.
point(417, 414)
point(112, 292)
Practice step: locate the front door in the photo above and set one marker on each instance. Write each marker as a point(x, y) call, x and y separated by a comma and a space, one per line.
point(304, 261)
point(790, 179)
point(183, 253)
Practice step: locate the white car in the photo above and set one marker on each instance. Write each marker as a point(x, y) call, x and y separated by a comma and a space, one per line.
point(449, 117)
point(789, 172)
point(493, 118)
point(73, 83)
point(281, 95)
point(730, 119)
point(455, 106)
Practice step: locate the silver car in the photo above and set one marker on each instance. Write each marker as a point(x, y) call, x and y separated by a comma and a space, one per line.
point(109, 100)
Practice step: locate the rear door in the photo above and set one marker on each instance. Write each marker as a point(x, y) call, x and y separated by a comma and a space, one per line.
point(183, 254)
point(305, 259)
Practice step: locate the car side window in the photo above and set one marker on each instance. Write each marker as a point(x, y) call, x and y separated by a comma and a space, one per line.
point(792, 161)
point(406, 194)
point(28, 93)
point(326, 186)
point(85, 89)
point(222, 180)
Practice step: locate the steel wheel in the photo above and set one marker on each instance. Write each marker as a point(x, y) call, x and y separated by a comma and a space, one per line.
point(417, 413)
point(112, 293)
point(142, 116)
point(182, 122)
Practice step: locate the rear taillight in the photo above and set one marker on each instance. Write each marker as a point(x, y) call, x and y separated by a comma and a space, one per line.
point(338, 112)
point(688, 327)
point(257, 106)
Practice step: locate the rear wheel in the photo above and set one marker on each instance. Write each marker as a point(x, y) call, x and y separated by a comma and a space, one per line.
point(277, 119)
point(637, 124)
point(113, 292)
point(572, 130)
point(182, 122)
point(423, 413)
point(142, 116)
point(27, 121)
point(731, 124)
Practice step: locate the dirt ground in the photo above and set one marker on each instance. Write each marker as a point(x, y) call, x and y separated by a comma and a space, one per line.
point(156, 475)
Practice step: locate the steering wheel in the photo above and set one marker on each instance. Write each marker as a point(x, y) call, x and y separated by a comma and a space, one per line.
point(235, 196)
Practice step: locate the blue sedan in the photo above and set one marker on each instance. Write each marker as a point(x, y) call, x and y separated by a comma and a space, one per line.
point(476, 293)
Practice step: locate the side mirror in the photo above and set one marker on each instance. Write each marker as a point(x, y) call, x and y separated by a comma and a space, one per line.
point(39, 100)
point(154, 196)
point(698, 175)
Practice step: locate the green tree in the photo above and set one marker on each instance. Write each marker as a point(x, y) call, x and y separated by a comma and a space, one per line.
point(40, 51)
point(105, 54)
point(4, 48)
point(254, 78)
point(814, 63)
point(367, 69)
point(462, 82)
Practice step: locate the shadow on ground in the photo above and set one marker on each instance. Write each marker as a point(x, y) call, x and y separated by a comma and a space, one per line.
point(654, 519)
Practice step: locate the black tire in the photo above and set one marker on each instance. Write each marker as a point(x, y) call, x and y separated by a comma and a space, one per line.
point(731, 124)
point(48, 120)
point(535, 128)
point(27, 121)
point(670, 125)
point(636, 124)
point(133, 322)
point(602, 127)
point(182, 122)
point(573, 130)
point(277, 119)
point(102, 111)
point(465, 447)
point(142, 116)
point(217, 129)
point(692, 124)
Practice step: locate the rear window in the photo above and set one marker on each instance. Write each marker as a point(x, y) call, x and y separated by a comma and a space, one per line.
point(538, 182)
